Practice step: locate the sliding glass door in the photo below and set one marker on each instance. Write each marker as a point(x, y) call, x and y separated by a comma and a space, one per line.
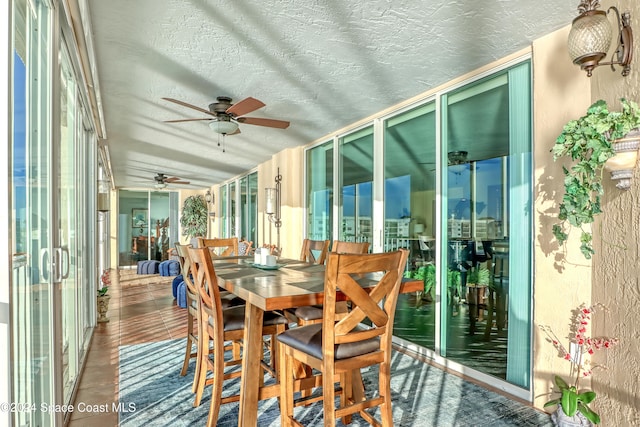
point(486, 141)
point(53, 214)
point(147, 225)
point(449, 179)
point(32, 282)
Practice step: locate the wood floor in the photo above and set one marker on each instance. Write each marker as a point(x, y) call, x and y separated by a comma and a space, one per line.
point(142, 309)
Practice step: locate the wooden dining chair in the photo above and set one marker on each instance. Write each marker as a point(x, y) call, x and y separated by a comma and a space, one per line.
point(342, 247)
point(314, 251)
point(220, 247)
point(218, 325)
point(192, 311)
point(340, 346)
point(244, 247)
point(227, 300)
point(309, 314)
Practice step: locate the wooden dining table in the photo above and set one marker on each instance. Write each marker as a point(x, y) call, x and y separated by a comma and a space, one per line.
point(289, 284)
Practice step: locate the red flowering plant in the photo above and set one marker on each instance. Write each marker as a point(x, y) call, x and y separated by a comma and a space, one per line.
point(573, 400)
point(105, 281)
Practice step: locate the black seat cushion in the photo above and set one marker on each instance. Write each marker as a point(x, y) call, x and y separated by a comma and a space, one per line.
point(309, 340)
point(233, 318)
point(308, 312)
point(230, 300)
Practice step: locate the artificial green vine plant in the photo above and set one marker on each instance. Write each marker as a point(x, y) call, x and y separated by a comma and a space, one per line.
point(194, 216)
point(587, 141)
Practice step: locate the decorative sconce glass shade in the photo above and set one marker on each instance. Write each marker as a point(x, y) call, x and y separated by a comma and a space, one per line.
point(271, 195)
point(223, 127)
point(589, 38)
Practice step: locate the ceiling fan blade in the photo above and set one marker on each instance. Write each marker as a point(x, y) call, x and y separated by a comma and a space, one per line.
point(184, 104)
point(245, 106)
point(172, 179)
point(179, 182)
point(186, 120)
point(280, 124)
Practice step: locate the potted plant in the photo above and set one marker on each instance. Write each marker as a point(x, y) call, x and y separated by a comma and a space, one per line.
point(103, 297)
point(573, 403)
point(589, 143)
point(194, 217)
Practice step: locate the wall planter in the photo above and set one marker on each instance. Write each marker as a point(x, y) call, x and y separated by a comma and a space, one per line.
point(588, 144)
point(621, 165)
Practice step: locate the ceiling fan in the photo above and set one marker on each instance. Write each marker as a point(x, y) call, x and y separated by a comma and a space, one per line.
point(226, 117)
point(161, 180)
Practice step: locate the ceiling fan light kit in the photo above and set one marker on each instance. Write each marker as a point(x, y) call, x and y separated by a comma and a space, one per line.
point(223, 127)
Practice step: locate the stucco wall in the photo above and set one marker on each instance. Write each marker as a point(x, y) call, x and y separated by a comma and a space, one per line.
point(563, 280)
point(616, 272)
point(562, 277)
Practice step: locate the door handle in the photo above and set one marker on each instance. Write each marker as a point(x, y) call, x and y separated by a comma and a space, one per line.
point(66, 262)
point(62, 260)
point(43, 264)
point(57, 265)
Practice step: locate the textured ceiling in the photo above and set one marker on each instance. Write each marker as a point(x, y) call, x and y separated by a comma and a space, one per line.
point(320, 64)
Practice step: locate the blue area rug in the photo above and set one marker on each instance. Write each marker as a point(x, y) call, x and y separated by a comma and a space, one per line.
point(156, 395)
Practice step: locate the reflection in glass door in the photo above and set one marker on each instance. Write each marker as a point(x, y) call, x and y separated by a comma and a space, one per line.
point(356, 195)
point(319, 163)
point(224, 215)
point(486, 135)
point(233, 212)
point(409, 213)
point(249, 207)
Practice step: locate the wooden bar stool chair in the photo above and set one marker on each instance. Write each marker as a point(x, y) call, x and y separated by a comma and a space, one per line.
point(309, 314)
point(341, 346)
point(218, 325)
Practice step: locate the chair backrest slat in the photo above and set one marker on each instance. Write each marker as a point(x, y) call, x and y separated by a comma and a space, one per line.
point(314, 251)
point(342, 247)
point(185, 269)
point(220, 246)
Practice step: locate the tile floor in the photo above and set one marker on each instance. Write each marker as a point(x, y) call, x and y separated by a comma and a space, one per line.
point(141, 309)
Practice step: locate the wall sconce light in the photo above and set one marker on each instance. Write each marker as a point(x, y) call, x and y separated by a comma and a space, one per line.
point(272, 207)
point(590, 38)
point(210, 199)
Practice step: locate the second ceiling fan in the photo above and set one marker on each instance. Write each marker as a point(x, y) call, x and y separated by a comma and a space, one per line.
point(226, 116)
